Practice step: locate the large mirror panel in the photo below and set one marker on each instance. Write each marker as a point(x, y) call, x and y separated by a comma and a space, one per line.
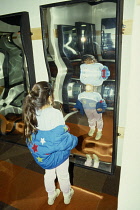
point(70, 31)
point(17, 74)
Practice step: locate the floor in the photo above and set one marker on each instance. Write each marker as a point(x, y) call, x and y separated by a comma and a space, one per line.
point(22, 187)
point(21, 179)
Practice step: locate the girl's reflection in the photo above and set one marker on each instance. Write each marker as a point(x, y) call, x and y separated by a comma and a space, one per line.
point(93, 105)
point(92, 74)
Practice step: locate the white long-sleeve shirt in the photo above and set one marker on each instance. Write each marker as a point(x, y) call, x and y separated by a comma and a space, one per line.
point(49, 118)
point(89, 99)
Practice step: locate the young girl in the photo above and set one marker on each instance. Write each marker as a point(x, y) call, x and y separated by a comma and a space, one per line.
point(48, 140)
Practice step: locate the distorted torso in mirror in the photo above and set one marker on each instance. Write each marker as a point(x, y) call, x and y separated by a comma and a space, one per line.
point(81, 54)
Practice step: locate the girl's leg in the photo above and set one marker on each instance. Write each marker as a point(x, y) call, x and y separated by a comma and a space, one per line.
point(99, 121)
point(49, 181)
point(64, 181)
point(99, 125)
point(90, 115)
point(93, 118)
point(88, 160)
point(63, 177)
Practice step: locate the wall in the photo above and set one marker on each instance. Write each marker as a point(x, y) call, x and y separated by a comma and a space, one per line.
point(129, 190)
point(34, 14)
point(125, 71)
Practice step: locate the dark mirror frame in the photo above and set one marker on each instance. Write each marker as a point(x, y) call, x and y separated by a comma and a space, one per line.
point(119, 15)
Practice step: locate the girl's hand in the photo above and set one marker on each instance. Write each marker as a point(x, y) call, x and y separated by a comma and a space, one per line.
point(74, 109)
point(99, 109)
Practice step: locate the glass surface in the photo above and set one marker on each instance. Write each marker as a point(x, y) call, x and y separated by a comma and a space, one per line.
point(108, 38)
point(12, 68)
point(86, 28)
point(14, 73)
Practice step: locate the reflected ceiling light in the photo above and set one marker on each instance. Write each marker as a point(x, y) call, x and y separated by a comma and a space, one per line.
point(83, 39)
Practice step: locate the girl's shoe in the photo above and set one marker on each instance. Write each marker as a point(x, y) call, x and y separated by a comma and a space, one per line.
point(52, 198)
point(98, 135)
point(88, 161)
point(67, 198)
point(96, 161)
point(91, 132)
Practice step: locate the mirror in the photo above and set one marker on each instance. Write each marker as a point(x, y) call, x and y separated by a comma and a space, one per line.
point(71, 30)
point(16, 73)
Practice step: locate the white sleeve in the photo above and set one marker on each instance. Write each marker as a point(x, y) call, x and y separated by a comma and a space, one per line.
point(49, 119)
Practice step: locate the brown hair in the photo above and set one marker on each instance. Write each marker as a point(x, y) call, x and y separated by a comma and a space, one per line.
point(88, 57)
point(36, 99)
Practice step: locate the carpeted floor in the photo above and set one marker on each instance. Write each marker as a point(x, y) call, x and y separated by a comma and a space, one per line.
point(80, 177)
point(23, 189)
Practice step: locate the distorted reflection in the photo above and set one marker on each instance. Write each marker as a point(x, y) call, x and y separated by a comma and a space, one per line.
point(85, 89)
point(108, 38)
point(14, 76)
point(69, 46)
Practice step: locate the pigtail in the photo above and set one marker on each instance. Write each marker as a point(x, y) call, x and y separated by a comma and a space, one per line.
point(29, 117)
point(35, 100)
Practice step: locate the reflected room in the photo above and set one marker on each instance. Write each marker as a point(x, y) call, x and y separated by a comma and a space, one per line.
point(84, 28)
